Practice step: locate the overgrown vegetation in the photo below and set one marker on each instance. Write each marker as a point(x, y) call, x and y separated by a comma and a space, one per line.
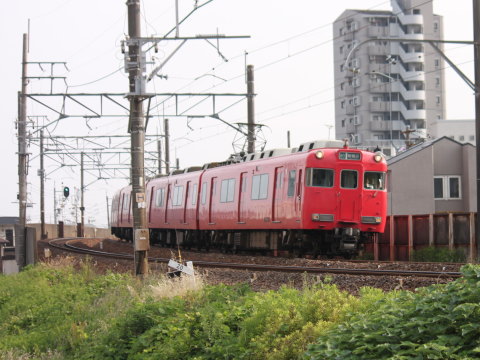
point(438, 322)
point(435, 254)
point(51, 312)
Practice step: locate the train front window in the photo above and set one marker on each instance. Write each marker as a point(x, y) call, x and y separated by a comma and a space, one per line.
point(348, 179)
point(374, 180)
point(319, 177)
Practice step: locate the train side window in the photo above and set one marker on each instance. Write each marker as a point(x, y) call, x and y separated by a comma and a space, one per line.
point(159, 196)
point(291, 183)
point(374, 180)
point(204, 193)
point(259, 187)
point(177, 195)
point(348, 179)
point(194, 194)
point(227, 190)
point(126, 201)
point(279, 183)
point(319, 177)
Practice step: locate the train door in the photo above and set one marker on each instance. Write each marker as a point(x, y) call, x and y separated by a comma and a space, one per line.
point(211, 201)
point(350, 193)
point(242, 208)
point(185, 203)
point(277, 198)
point(167, 202)
point(151, 203)
point(121, 208)
point(298, 194)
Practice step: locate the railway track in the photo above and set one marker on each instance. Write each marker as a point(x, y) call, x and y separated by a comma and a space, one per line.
point(65, 245)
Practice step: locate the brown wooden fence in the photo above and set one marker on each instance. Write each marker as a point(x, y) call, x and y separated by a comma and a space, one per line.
point(407, 233)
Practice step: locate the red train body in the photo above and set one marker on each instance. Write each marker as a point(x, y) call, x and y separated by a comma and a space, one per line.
point(320, 201)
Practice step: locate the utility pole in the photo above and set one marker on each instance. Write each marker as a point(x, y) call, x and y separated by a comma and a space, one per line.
point(41, 173)
point(250, 110)
point(20, 248)
point(167, 146)
point(82, 204)
point(137, 132)
point(288, 139)
point(476, 59)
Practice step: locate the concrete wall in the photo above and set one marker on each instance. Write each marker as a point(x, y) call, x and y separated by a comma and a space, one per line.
point(71, 231)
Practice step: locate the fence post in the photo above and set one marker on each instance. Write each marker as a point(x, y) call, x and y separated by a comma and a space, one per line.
point(473, 248)
point(430, 230)
point(392, 238)
point(450, 231)
point(410, 236)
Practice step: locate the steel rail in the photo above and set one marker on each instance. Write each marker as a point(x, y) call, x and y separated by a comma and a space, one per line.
point(260, 267)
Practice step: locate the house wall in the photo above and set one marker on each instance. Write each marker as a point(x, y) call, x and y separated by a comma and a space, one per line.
point(412, 185)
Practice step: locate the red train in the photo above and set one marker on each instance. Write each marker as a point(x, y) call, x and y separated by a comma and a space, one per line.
point(322, 198)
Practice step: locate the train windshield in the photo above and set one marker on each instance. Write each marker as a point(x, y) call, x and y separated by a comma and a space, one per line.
point(374, 180)
point(319, 177)
point(348, 179)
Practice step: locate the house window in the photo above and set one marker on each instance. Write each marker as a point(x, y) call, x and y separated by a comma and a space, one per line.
point(447, 187)
point(471, 138)
point(461, 138)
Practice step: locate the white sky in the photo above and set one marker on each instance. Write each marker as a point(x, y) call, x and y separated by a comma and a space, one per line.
point(290, 47)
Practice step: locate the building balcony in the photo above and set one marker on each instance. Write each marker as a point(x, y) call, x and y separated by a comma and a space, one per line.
point(377, 31)
point(387, 125)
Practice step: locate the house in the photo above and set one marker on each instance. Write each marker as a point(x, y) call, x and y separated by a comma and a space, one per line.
point(436, 176)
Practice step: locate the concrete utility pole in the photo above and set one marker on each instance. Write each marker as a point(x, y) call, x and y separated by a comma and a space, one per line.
point(167, 146)
point(251, 110)
point(20, 241)
point(137, 132)
point(41, 173)
point(476, 58)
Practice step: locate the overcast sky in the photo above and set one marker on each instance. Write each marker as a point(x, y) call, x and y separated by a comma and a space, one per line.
point(290, 48)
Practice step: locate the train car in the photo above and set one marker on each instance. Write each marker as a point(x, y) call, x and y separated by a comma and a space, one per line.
point(121, 223)
point(318, 200)
point(172, 207)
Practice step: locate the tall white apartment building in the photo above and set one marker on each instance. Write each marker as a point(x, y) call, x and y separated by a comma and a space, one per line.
point(388, 91)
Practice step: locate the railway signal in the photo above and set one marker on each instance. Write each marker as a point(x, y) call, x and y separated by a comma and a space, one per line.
point(66, 191)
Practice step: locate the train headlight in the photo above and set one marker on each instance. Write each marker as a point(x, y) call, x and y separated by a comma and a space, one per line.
point(322, 217)
point(319, 154)
point(378, 157)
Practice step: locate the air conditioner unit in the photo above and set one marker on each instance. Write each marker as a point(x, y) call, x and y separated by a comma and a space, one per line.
point(357, 120)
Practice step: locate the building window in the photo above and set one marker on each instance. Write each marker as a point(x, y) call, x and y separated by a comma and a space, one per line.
point(471, 138)
point(437, 81)
point(437, 63)
point(461, 138)
point(447, 187)
point(437, 100)
point(435, 26)
point(227, 190)
point(260, 187)
point(343, 123)
point(341, 49)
